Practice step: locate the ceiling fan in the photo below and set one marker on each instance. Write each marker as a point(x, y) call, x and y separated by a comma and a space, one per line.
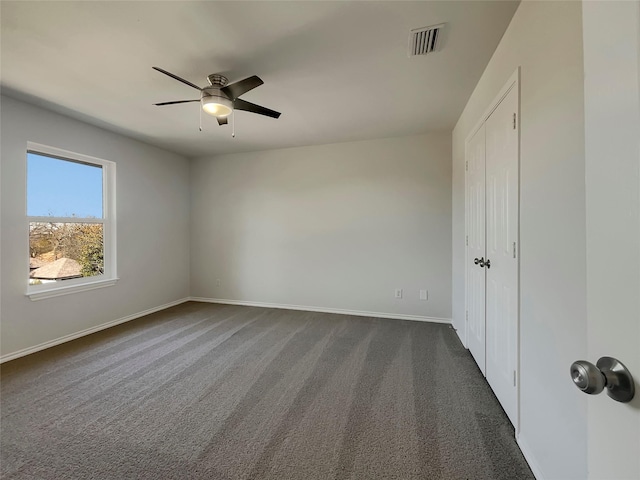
point(220, 98)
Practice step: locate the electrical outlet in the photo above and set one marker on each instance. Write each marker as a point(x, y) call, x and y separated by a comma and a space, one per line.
point(424, 295)
point(398, 293)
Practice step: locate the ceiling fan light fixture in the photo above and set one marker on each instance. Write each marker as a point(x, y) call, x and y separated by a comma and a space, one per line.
point(218, 106)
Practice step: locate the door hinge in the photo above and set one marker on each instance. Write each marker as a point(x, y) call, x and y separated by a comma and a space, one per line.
point(514, 121)
point(466, 166)
point(514, 378)
point(467, 241)
point(514, 249)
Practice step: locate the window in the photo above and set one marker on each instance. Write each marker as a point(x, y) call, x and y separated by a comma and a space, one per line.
point(71, 222)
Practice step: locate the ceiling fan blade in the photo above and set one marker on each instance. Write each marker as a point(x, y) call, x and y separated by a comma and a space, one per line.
point(222, 120)
point(173, 103)
point(234, 90)
point(240, 104)
point(186, 82)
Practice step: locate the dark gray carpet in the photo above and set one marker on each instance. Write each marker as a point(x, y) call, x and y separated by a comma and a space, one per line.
point(203, 391)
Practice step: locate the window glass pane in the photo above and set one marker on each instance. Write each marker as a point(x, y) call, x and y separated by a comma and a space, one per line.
point(62, 251)
point(62, 188)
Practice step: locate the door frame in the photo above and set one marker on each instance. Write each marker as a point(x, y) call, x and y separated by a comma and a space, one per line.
point(512, 82)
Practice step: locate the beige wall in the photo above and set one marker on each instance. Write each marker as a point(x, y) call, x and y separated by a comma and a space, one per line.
point(152, 221)
point(545, 40)
point(333, 227)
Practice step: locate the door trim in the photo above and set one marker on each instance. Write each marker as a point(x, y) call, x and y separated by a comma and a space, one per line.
point(512, 82)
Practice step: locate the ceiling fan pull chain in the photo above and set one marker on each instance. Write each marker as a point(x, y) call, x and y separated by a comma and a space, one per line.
point(200, 118)
point(233, 126)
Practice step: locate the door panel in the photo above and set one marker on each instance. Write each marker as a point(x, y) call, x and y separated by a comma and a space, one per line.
point(476, 248)
point(612, 171)
point(502, 232)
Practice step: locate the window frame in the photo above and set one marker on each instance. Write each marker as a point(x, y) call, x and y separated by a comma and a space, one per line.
point(108, 221)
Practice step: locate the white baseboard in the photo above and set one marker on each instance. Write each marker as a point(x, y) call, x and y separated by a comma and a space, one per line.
point(528, 456)
point(397, 316)
point(88, 331)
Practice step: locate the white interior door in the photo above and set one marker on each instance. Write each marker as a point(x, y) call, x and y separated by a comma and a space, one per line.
point(501, 252)
point(612, 160)
point(476, 247)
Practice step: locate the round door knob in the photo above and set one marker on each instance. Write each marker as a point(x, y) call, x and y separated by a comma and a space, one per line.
point(587, 377)
point(607, 372)
point(476, 261)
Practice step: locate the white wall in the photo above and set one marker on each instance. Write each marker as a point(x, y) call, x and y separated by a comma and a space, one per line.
point(545, 39)
point(332, 226)
point(152, 227)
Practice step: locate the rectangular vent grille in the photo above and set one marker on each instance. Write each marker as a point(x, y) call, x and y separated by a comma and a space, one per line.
point(424, 40)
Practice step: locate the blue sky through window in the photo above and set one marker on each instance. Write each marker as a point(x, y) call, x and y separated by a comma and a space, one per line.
point(62, 188)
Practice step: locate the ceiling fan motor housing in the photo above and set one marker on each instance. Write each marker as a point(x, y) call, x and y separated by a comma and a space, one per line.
point(216, 80)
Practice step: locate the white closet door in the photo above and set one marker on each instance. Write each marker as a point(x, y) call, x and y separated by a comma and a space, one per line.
point(476, 248)
point(501, 252)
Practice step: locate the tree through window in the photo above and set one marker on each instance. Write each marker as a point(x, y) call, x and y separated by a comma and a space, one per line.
point(69, 210)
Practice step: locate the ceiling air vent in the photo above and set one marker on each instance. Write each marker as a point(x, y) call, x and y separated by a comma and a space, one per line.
point(424, 40)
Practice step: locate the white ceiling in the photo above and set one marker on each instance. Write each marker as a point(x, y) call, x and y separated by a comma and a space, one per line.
point(338, 71)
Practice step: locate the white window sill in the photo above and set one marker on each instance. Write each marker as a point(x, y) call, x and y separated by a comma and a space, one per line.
point(41, 294)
